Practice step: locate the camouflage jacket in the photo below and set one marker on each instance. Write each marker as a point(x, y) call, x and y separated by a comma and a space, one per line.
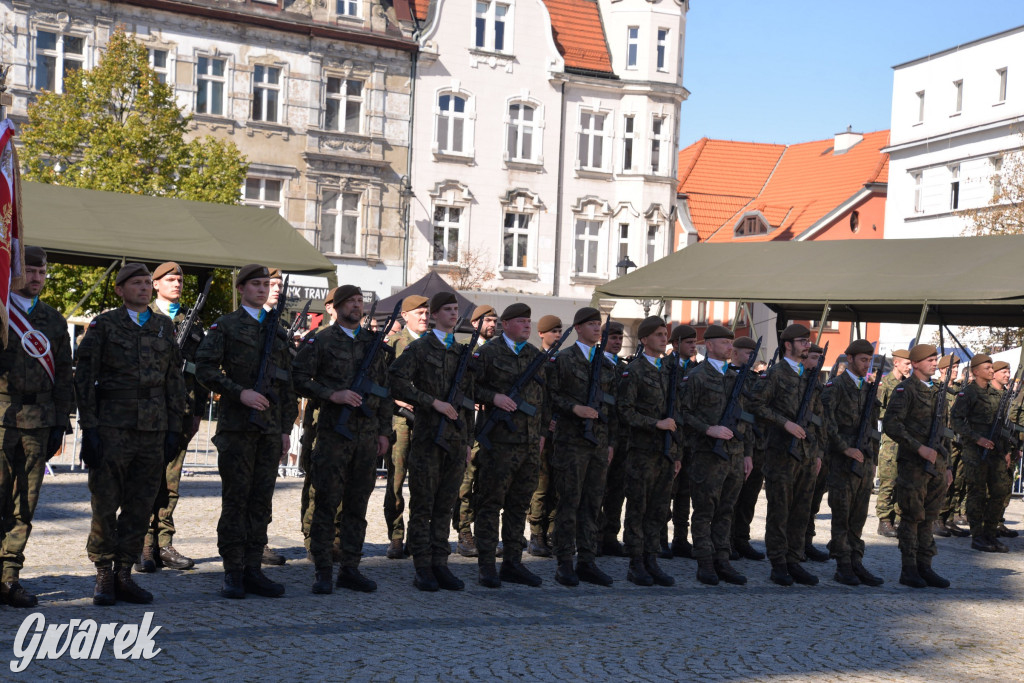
point(129, 376)
point(973, 412)
point(425, 372)
point(496, 369)
point(705, 394)
point(28, 399)
point(843, 401)
point(885, 389)
point(776, 400)
point(327, 362)
point(228, 362)
point(198, 397)
point(642, 401)
point(908, 417)
point(568, 382)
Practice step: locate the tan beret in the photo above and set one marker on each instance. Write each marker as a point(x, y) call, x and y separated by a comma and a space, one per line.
point(921, 351)
point(548, 323)
point(329, 299)
point(794, 331)
point(585, 315)
point(483, 311)
point(442, 299)
point(979, 359)
point(516, 310)
point(414, 301)
point(946, 360)
point(130, 270)
point(649, 326)
point(275, 274)
point(344, 292)
point(1000, 365)
point(858, 347)
point(718, 332)
point(35, 256)
point(167, 268)
point(743, 343)
point(251, 272)
point(682, 333)
point(901, 353)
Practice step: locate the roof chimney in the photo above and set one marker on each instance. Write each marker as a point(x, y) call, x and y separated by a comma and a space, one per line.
point(846, 140)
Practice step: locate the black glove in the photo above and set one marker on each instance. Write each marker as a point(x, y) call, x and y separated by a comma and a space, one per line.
point(92, 448)
point(171, 449)
point(54, 442)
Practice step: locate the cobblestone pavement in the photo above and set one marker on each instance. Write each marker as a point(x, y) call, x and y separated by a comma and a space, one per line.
point(688, 632)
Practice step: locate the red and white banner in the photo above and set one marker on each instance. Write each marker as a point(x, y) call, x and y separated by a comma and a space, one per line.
point(12, 260)
point(35, 343)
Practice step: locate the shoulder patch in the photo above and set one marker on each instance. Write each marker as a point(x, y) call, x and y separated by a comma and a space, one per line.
point(311, 340)
point(476, 354)
point(763, 375)
point(626, 373)
point(960, 393)
point(900, 388)
point(828, 383)
point(686, 378)
point(213, 326)
point(93, 323)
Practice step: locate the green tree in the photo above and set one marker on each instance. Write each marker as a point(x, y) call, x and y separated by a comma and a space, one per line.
point(117, 128)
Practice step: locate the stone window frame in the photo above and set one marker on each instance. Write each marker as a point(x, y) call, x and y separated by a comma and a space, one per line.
point(450, 194)
point(58, 53)
point(523, 202)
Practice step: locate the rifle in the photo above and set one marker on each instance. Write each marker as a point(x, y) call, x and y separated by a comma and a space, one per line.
point(496, 415)
point(185, 331)
point(298, 321)
point(805, 405)
point(267, 371)
point(595, 396)
point(456, 398)
point(362, 384)
point(670, 437)
point(771, 361)
point(1001, 424)
point(940, 417)
point(636, 354)
point(865, 433)
point(732, 414)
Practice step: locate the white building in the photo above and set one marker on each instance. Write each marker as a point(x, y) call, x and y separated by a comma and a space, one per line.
point(544, 137)
point(955, 116)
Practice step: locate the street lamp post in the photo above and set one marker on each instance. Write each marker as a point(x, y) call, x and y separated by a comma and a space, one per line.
point(622, 268)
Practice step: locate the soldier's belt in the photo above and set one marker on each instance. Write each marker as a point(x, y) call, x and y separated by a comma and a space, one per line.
point(747, 417)
point(131, 394)
point(28, 399)
point(814, 420)
point(190, 367)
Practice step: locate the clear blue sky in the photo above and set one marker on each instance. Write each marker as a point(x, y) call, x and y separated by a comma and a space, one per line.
point(797, 70)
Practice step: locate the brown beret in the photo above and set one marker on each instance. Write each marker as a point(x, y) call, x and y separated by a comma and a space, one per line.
point(945, 361)
point(483, 312)
point(442, 299)
point(979, 359)
point(649, 326)
point(250, 272)
point(414, 301)
point(516, 310)
point(681, 333)
point(35, 256)
point(615, 327)
point(167, 268)
point(859, 346)
point(1000, 365)
point(794, 331)
point(548, 323)
point(718, 332)
point(130, 270)
point(329, 299)
point(815, 349)
point(743, 343)
point(585, 315)
point(921, 351)
point(901, 353)
point(344, 292)
point(275, 274)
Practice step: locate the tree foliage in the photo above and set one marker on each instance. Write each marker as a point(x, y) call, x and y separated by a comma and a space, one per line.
point(117, 128)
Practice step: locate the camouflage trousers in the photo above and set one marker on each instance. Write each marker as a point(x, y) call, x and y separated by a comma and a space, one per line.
point(22, 465)
point(680, 516)
point(885, 503)
point(789, 487)
point(578, 474)
point(161, 522)
point(989, 482)
point(394, 497)
point(714, 487)
point(307, 498)
point(648, 496)
point(919, 496)
point(344, 473)
point(545, 498)
point(464, 513)
point(506, 478)
point(849, 497)
point(434, 478)
point(746, 503)
point(820, 487)
point(247, 462)
point(123, 489)
point(956, 494)
point(610, 520)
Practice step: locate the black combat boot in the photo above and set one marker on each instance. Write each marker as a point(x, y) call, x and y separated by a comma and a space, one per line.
point(780, 574)
point(939, 529)
point(885, 528)
point(726, 573)
point(706, 571)
point(516, 572)
point(255, 581)
point(659, 576)
point(172, 559)
point(488, 575)
point(637, 572)
point(126, 588)
point(845, 574)
point(813, 554)
point(447, 580)
point(467, 544)
point(105, 592)
point(801, 575)
point(146, 563)
point(425, 580)
point(909, 575)
point(997, 544)
point(322, 582)
point(1004, 531)
point(538, 546)
point(929, 576)
point(682, 548)
point(14, 595)
point(983, 543)
point(612, 548)
point(352, 578)
point(591, 573)
point(272, 557)
point(395, 551)
point(747, 551)
point(233, 587)
point(566, 574)
point(866, 577)
point(954, 529)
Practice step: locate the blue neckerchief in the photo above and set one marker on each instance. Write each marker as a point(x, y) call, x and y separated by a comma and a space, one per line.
point(262, 315)
point(139, 318)
point(31, 308)
point(448, 339)
point(656, 362)
point(518, 346)
point(351, 333)
point(172, 310)
point(718, 365)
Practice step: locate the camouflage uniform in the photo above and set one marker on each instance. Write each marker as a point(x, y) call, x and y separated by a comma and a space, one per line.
point(464, 513)
point(610, 521)
point(507, 473)
point(343, 471)
point(789, 480)
point(849, 495)
point(578, 466)
point(908, 421)
point(956, 494)
point(129, 385)
point(32, 407)
point(425, 372)
point(227, 363)
point(746, 502)
point(680, 513)
point(545, 499)
point(394, 498)
point(987, 483)
point(885, 502)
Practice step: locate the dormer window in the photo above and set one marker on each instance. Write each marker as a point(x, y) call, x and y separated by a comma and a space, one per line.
point(753, 224)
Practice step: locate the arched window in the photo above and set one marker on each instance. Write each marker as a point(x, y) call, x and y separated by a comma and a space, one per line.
point(451, 124)
point(523, 141)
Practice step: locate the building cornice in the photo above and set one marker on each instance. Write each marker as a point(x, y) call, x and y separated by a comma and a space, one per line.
point(1013, 122)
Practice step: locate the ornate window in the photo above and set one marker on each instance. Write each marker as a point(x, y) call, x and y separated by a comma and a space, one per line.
point(210, 81)
point(57, 55)
point(266, 93)
point(339, 223)
point(344, 106)
point(519, 233)
point(453, 134)
point(492, 26)
point(594, 131)
point(751, 224)
point(158, 62)
point(523, 139)
point(264, 193)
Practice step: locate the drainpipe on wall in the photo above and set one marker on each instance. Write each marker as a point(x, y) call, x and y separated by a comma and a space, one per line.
point(407, 218)
point(558, 198)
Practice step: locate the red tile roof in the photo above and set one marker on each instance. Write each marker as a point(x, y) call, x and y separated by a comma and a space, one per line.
point(794, 187)
point(419, 8)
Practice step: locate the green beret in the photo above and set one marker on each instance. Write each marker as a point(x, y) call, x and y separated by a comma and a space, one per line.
point(682, 333)
point(442, 299)
point(615, 327)
point(585, 315)
point(718, 332)
point(794, 331)
point(483, 312)
point(414, 301)
point(130, 270)
point(344, 292)
point(250, 272)
point(921, 351)
point(167, 268)
point(35, 256)
point(901, 353)
point(975, 361)
point(516, 310)
point(548, 323)
point(859, 346)
point(743, 343)
point(649, 326)
point(815, 349)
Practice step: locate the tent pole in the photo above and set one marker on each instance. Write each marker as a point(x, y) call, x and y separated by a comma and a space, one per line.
point(821, 325)
point(92, 289)
point(661, 308)
point(234, 290)
point(736, 316)
point(920, 323)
